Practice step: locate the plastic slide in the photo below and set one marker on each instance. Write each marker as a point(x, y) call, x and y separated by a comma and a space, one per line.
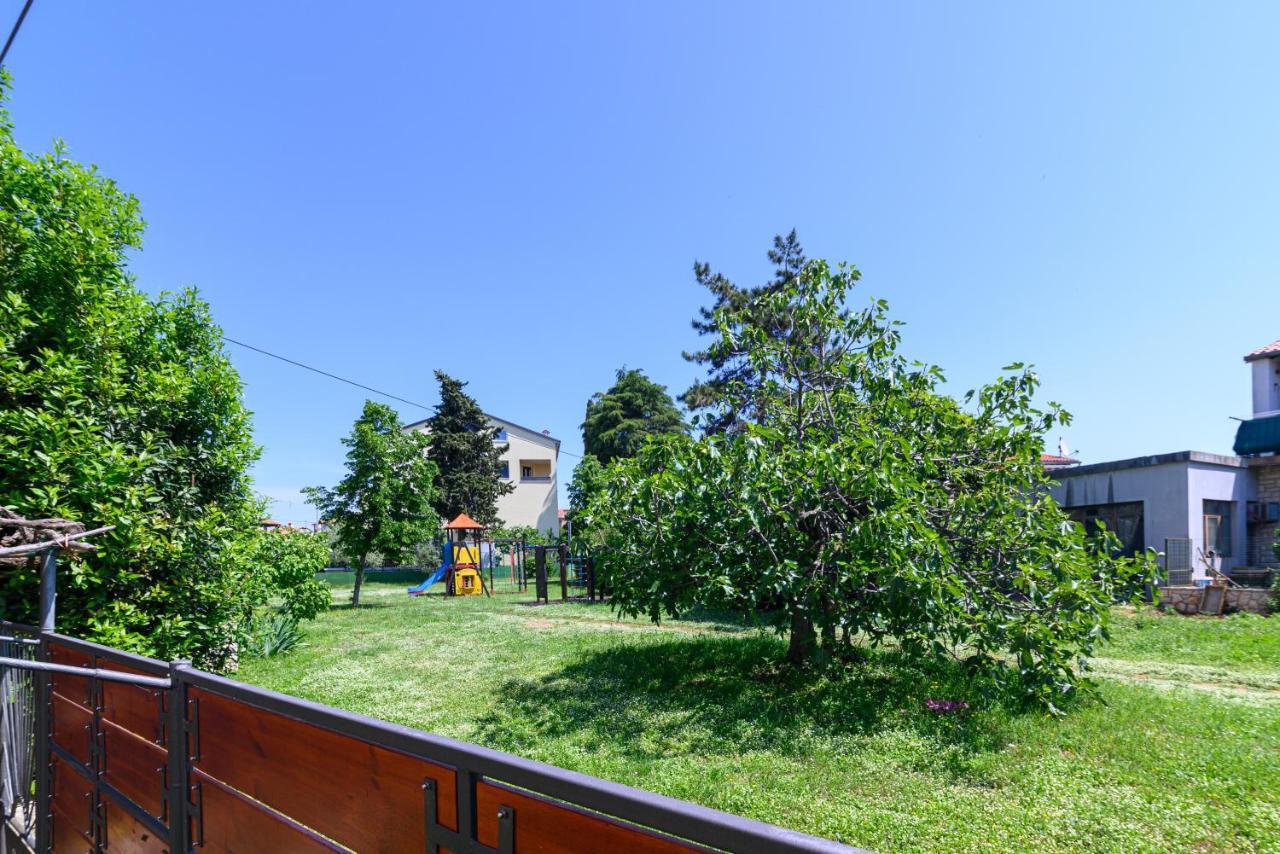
point(432, 579)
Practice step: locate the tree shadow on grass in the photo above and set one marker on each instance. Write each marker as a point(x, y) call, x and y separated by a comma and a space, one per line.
point(363, 606)
point(728, 695)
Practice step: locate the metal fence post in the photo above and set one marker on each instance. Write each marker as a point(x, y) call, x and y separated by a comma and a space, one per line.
point(49, 590)
point(540, 570)
point(44, 789)
point(179, 767)
point(562, 556)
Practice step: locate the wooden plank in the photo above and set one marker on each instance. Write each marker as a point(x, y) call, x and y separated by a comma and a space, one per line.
point(135, 766)
point(548, 827)
point(70, 807)
point(126, 834)
point(231, 822)
point(71, 727)
point(74, 688)
point(366, 797)
point(134, 707)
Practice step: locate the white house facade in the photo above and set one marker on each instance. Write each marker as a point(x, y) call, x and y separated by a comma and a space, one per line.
point(530, 465)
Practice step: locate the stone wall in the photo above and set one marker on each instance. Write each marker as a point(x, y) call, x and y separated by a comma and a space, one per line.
point(1186, 600)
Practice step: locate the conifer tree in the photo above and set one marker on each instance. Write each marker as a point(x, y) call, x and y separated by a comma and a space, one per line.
point(731, 370)
point(465, 449)
point(620, 420)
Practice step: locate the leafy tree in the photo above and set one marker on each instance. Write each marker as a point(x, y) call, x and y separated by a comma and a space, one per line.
point(118, 409)
point(620, 420)
point(727, 368)
point(863, 502)
point(588, 482)
point(384, 504)
point(287, 562)
point(467, 455)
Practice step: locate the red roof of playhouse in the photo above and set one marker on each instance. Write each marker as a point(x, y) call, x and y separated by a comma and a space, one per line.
point(1272, 349)
point(463, 521)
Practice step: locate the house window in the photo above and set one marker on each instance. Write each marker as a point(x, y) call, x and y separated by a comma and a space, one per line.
point(1217, 527)
point(501, 435)
point(504, 470)
point(1123, 519)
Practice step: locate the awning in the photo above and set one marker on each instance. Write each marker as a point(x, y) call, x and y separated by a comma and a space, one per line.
point(1259, 436)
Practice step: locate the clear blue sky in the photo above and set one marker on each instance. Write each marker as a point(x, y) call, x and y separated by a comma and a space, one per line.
point(515, 193)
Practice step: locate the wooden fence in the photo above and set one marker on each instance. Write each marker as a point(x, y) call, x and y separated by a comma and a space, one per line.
point(136, 755)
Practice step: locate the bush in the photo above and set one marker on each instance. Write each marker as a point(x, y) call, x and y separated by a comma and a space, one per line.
point(118, 409)
point(286, 563)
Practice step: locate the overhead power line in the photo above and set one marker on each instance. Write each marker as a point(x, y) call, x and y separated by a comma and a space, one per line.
point(13, 34)
point(333, 376)
point(327, 374)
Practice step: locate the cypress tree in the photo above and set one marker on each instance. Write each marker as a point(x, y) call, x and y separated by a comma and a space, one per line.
point(467, 456)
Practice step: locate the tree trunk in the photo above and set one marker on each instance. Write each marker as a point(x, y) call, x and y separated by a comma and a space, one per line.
point(355, 592)
point(801, 647)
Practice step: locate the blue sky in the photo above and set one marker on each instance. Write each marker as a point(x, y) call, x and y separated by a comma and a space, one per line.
point(515, 193)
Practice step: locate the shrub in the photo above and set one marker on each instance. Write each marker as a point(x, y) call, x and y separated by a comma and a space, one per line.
point(286, 562)
point(118, 409)
point(274, 634)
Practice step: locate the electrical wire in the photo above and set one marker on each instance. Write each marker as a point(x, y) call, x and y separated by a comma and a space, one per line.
point(13, 34)
point(333, 376)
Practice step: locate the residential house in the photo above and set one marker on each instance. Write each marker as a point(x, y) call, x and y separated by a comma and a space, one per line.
point(530, 465)
point(1198, 509)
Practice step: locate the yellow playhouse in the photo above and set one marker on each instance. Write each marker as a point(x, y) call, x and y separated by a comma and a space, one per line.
point(464, 578)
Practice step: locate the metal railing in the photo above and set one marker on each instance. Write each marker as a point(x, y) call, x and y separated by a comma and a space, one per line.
point(18, 734)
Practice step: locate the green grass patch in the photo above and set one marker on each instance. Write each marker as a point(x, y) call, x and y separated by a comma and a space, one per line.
point(702, 709)
point(1240, 641)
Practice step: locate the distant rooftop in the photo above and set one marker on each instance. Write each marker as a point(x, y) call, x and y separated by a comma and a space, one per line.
point(1272, 349)
point(1056, 461)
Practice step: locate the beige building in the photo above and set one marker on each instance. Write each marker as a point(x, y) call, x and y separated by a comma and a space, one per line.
point(530, 465)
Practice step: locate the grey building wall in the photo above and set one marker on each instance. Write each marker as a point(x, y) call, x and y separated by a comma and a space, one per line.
point(1172, 489)
point(1219, 483)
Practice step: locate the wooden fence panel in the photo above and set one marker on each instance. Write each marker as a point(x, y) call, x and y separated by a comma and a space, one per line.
point(71, 727)
point(133, 707)
point(135, 767)
point(231, 822)
point(366, 797)
point(549, 827)
point(72, 809)
point(125, 834)
point(74, 688)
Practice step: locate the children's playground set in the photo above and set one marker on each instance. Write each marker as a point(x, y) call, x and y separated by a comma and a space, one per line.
point(467, 554)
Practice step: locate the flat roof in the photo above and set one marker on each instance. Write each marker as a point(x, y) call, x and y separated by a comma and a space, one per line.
point(1152, 460)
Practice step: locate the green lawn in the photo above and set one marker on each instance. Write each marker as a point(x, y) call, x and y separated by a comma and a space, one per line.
point(1181, 752)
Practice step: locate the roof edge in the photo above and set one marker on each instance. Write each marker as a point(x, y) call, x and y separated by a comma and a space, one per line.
point(1148, 461)
point(506, 421)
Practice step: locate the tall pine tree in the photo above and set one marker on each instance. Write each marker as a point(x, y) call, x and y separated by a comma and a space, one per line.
point(469, 459)
point(729, 369)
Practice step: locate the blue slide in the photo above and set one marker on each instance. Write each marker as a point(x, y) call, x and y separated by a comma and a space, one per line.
point(435, 577)
point(446, 560)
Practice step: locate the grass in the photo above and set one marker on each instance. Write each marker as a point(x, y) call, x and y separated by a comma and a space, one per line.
point(1182, 750)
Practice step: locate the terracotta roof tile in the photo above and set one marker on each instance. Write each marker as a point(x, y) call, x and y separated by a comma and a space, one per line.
point(1055, 460)
point(1272, 349)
